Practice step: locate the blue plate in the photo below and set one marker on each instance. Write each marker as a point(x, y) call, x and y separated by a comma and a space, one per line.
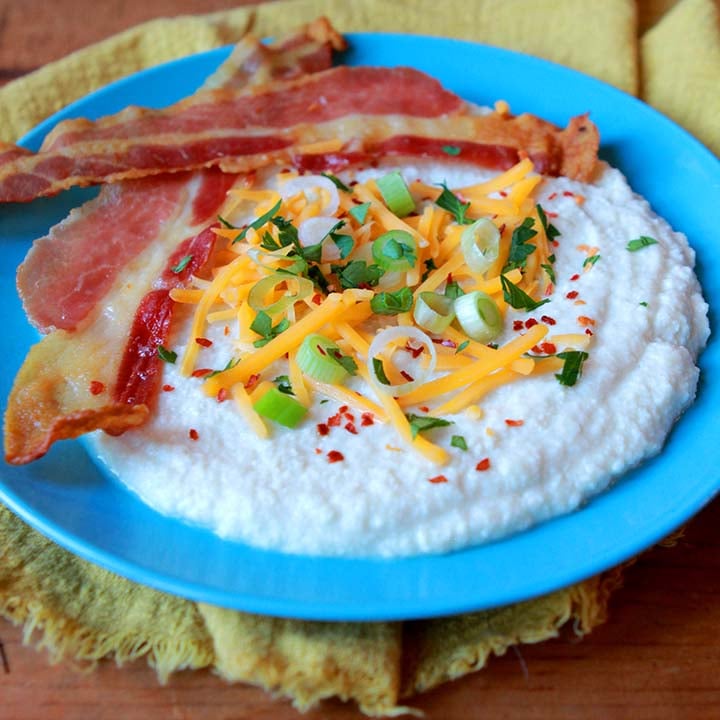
point(68, 499)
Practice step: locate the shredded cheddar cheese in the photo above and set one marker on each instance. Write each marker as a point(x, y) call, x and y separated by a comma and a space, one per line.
point(343, 307)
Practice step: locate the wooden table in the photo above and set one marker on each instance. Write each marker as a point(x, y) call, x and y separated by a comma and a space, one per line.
point(657, 657)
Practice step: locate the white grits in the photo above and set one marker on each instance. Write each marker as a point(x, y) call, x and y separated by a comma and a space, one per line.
point(573, 442)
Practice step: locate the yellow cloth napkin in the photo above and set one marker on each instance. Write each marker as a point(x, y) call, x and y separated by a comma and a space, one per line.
point(78, 610)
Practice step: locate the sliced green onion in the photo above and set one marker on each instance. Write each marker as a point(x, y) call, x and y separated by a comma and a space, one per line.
point(480, 244)
point(396, 194)
point(280, 408)
point(433, 311)
point(321, 358)
point(478, 316)
point(387, 339)
point(395, 250)
point(260, 290)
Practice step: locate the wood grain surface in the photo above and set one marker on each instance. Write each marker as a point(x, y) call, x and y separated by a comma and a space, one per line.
point(658, 657)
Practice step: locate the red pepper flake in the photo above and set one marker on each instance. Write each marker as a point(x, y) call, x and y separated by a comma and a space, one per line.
point(572, 294)
point(567, 193)
point(201, 372)
point(335, 420)
point(575, 277)
point(321, 350)
point(503, 193)
point(483, 465)
point(226, 330)
point(548, 348)
point(252, 381)
point(518, 325)
point(424, 408)
point(530, 322)
point(96, 387)
point(550, 289)
point(323, 429)
point(585, 320)
point(552, 196)
point(193, 433)
point(414, 351)
point(514, 423)
point(317, 298)
point(350, 427)
point(367, 419)
point(349, 417)
point(335, 456)
point(203, 342)
point(343, 408)
point(552, 215)
point(318, 451)
point(407, 376)
point(548, 320)
point(222, 395)
point(168, 388)
point(438, 479)
point(588, 331)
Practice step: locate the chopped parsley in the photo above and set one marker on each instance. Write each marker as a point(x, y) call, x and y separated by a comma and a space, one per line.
point(168, 356)
point(357, 273)
point(458, 441)
point(255, 224)
point(462, 346)
point(262, 325)
point(345, 243)
point(337, 182)
point(520, 247)
point(639, 243)
point(572, 366)
point(392, 303)
point(231, 363)
point(643, 303)
point(359, 212)
point(517, 298)
point(283, 384)
point(421, 423)
point(453, 150)
point(429, 267)
point(379, 369)
point(447, 200)
point(182, 264)
point(551, 232)
point(590, 261)
point(453, 290)
point(549, 271)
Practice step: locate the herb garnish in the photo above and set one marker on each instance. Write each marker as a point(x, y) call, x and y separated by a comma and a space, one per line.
point(551, 232)
point(640, 243)
point(283, 384)
point(517, 298)
point(447, 200)
point(453, 290)
point(520, 248)
point(344, 243)
point(429, 267)
point(453, 150)
point(392, 303)
point(337, 182)
point(420, 423)
point(255, 224)
point(231, 363)
point(572, 367)
point(379, 369)
point(458, 441)
point(590, 261)
point(359, 212)
point(462, 346)
point(262, 325)
point(357, 273)
point(549, 271)
point(182, 264)
point(169, 356)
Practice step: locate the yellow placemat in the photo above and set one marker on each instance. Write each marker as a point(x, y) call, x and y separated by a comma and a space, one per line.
point(72, 607)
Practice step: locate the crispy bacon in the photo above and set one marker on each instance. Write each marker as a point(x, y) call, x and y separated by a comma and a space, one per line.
point(367, 108)
point(55, 392)
point(66, 273)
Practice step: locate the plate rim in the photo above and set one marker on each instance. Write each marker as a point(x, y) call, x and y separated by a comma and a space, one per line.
point(319, 611)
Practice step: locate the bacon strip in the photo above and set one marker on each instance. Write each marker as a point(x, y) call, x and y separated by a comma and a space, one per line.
point(364, 107)
point(102, 370)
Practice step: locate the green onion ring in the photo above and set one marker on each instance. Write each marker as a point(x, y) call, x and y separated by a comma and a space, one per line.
point(434, 312)
point(395, 250)
point(480, 245)
point(478, 316)
point(258, 292)
point(318, 357)
point(396, 193)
